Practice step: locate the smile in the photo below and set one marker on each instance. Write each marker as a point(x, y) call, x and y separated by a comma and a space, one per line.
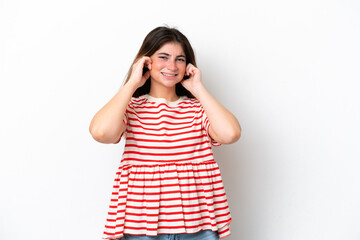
point(169, 75)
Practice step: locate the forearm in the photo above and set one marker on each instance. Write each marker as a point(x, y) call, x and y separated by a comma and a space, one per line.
point(224, 127)
point(107, 124)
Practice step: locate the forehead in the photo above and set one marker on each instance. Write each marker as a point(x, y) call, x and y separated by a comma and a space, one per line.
point(172, 48)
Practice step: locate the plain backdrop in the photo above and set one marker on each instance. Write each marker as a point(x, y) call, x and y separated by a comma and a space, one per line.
point(289, 71)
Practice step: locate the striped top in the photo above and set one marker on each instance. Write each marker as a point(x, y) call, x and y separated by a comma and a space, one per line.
point(167, 181)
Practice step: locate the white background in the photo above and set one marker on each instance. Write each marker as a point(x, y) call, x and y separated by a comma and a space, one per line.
point(289, 70)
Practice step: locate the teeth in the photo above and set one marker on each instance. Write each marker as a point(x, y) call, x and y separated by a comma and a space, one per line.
point(169, 75)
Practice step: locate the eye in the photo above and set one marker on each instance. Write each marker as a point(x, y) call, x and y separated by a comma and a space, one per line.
point(181, 59)
point(162, 57)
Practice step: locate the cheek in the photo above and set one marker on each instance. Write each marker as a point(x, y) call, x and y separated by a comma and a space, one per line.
point(156, 64)
point(154, 68)
point(182, 69)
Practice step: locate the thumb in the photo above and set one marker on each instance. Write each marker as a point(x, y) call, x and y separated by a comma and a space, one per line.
point(146, 75)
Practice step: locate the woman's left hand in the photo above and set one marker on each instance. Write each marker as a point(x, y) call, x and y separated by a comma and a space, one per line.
point(193, 83)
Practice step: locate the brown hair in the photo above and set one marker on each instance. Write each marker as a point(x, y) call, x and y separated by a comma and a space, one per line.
point(153, 42)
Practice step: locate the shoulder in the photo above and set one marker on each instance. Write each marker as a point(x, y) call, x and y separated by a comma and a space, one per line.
point(190, 101)
point(136, 101)
point(193, 104)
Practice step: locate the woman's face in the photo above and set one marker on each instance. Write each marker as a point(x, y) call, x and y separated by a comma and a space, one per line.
point(168, 65)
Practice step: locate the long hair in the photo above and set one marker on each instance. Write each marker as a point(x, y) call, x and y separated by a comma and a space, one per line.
point(153, 42)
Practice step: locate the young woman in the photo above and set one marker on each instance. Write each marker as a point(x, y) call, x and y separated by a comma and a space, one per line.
point(168, 183)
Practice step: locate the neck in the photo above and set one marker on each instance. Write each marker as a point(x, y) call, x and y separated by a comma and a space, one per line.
point(159, 91)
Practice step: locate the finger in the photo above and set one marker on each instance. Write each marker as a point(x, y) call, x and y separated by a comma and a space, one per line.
point(147, 62)
point(146, 75)
point(191, 69)
point(141, 60)
point(188, 68)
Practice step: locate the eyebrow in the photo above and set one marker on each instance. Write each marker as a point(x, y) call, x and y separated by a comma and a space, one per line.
point(166, 54)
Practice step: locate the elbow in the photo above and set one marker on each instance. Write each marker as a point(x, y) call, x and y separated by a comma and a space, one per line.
point(233, 136)
point(237, 134)
point(101, 137)
point(97, 135)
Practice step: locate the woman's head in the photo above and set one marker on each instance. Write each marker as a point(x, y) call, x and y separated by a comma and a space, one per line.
point(153, 42)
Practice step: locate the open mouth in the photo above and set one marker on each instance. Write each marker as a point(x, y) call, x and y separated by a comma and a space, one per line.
point(168, 74)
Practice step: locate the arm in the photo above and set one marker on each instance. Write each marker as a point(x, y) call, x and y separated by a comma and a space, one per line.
point(107, 125)
point(224, 127)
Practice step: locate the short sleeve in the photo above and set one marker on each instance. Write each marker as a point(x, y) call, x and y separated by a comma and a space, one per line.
point(125, 121)
point(206, 126)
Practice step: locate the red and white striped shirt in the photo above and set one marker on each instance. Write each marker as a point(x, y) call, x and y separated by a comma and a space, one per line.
point(167, 181)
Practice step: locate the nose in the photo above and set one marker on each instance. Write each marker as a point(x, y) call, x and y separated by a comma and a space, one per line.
point(171, 65)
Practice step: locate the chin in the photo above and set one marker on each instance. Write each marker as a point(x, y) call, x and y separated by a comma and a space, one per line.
point(170, 83)
point(167, 82)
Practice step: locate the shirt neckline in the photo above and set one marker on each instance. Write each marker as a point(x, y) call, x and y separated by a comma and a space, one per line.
point(162, 100)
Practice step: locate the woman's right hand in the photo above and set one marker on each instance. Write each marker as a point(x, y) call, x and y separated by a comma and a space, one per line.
point(137, 77)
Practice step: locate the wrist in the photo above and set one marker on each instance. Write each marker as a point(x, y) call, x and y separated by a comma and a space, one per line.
point(198, 90)
point(131, 85)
